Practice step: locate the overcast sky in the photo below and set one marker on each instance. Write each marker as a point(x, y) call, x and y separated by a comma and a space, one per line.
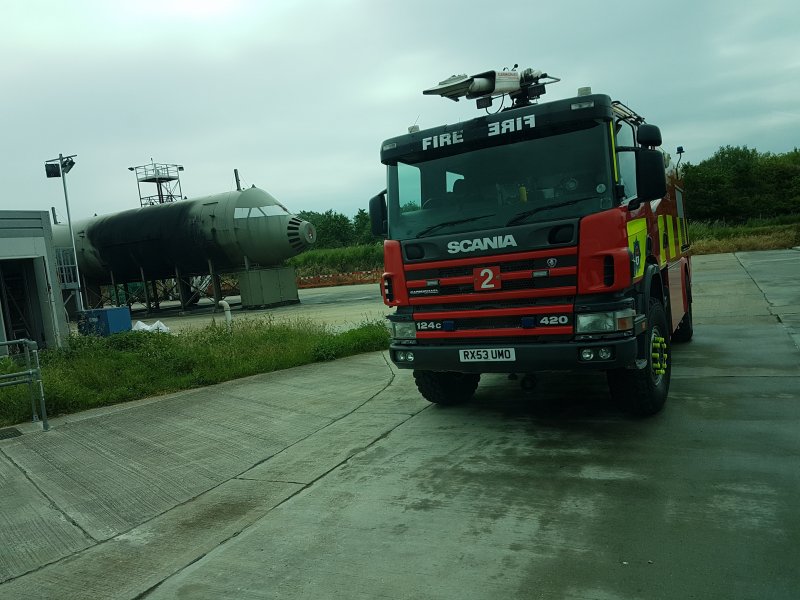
point(298, 95)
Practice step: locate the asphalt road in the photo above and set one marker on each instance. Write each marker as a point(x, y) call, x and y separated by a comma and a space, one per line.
point(338, 481)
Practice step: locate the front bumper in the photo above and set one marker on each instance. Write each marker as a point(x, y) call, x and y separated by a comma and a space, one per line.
point(528, 357)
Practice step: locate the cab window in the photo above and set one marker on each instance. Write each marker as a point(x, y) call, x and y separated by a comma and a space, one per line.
point(626, 159)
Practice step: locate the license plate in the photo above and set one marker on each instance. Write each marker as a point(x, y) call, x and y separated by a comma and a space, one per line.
point(487, 355)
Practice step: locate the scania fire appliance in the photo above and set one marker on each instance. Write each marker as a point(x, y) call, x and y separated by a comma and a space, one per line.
point(543, 236)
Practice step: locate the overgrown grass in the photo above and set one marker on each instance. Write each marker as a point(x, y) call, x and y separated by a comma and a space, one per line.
point(133, 365)
point(756, 234)
point(335, 261)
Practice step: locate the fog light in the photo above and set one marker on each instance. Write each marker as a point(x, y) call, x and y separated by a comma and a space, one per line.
point(409, 356)
point(604, 353)
point(587, 354)
point(401, 356)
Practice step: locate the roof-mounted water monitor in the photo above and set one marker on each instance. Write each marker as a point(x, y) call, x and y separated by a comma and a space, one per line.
point(522, 86)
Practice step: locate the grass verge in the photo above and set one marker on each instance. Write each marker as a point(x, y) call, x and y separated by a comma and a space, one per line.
point(128, 366)
point(756, 234)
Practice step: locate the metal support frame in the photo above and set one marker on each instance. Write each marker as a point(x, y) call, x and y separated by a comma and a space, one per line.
point(186, 289)
point(156, 302)
point(32, 375)
point(144, 287)
point(181, 289)
point(114, 287)
point(215, 282)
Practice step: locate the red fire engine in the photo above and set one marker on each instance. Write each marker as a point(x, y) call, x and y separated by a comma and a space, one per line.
point(542, 236)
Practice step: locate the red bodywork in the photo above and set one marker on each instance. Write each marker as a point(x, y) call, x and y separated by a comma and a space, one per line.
point(601, 263)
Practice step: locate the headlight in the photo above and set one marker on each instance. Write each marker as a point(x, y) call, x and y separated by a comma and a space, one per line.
point(605, 322)
point(404, 330)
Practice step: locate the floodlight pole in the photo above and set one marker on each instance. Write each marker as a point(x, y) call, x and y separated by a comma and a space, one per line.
point(71, 233)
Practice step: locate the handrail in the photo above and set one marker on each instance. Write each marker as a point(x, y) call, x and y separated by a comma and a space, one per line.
point(32, 375)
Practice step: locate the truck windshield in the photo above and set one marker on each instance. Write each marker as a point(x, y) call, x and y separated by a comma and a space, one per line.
point(566, 175)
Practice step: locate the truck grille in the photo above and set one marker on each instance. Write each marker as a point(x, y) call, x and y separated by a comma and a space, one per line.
point(521, 302)
point(505, 267)
point(531, 294)
point(515, 284)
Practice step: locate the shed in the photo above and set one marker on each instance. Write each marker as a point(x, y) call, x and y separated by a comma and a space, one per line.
point(31, 304)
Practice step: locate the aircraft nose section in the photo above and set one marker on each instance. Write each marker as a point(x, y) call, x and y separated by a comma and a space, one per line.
point(301, 234)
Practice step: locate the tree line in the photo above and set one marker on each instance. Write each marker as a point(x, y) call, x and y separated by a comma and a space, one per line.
point(735, 184)
point(335, 230)
point(738, 183)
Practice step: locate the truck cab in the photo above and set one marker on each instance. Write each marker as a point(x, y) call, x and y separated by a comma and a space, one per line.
point(549, 236)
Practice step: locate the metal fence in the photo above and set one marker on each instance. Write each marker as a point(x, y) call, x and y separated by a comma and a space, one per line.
point(32, 375)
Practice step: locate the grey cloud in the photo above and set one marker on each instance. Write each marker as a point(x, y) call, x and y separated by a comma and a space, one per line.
point(299, 95)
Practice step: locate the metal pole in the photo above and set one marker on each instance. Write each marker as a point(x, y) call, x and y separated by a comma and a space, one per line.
point(30, 379)
point(71, 232)
point(144, 288)
point(38, 373)
point(114, 285)
point(155, 294)
point(139, 187)
point(181, 288)
point(215, 284)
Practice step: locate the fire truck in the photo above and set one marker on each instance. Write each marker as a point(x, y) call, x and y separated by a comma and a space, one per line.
point(542, 236)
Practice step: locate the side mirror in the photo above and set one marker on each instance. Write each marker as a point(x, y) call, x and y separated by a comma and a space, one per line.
point(648, 135)
point(377, 215)
point(651, 179)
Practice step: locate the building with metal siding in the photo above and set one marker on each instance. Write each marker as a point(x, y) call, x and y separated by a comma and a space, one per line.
point(31, 304)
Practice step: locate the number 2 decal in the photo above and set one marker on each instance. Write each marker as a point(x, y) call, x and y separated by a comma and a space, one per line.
point(487, 283)
point(486, 278)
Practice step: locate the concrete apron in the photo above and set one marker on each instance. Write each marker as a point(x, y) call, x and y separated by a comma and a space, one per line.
point(334, 481)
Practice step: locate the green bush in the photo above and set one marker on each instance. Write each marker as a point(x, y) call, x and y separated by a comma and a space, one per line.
point(739, 183)
point(334, 261)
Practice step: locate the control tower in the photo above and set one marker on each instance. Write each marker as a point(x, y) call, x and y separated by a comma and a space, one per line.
point(166, 178)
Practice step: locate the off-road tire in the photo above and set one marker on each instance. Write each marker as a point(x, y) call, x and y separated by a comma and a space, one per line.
point(643, 391)
point(446, 388)
point(685, 328)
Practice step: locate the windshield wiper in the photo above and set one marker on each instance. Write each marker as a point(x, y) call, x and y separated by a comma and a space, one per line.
point(519, 218)
point(433, 228)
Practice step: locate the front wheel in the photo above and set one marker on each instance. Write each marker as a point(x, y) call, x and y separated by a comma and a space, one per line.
point(446, 387)
point(643, 391)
